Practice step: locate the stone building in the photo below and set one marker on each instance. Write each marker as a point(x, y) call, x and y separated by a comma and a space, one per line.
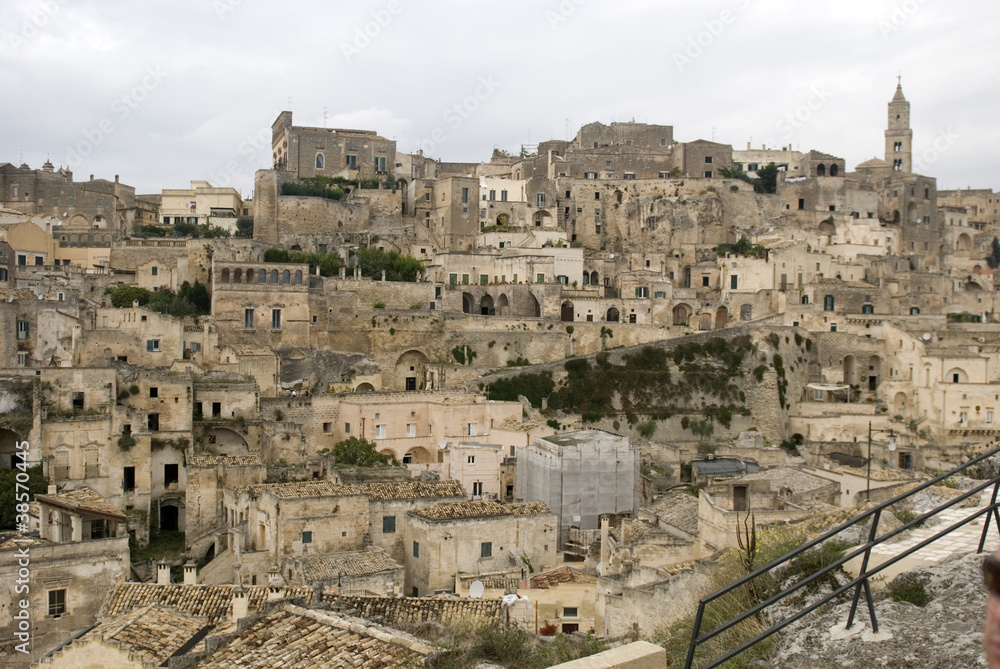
point(365, 572)
point(581, 476)
point(201, 204)
point(305, 152)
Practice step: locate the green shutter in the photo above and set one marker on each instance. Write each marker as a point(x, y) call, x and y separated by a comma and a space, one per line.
point(149, 345)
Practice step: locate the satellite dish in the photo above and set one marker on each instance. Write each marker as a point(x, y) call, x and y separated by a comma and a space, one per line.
point(476, 589)
point(612, 255)
point(927, 336)
point(443, 443)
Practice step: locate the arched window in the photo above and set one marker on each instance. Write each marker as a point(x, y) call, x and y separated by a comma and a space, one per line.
point(821, 170)
point(262, 276)
point(237, 276)
point(834, 170)
point(828, 303)
point(320, 161)
point(805, 299)
point(225, 275)
point(274, 276)
point(286, 277)
point(298, 277)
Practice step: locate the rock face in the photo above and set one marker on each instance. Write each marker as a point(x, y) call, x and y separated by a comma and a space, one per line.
point(946, 633)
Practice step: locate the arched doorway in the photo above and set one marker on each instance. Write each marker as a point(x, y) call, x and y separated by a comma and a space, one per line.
point(567, 312)
point(417, 456)
point(612, 315)
point(721, 318)
point(411, 371)
point(468, 303)
point(705, 322)
point(963, 244)
point(850, 370)
point(534, 307)
point(682, 313)
point(595, 278)
point(365, 388)
point(503, 306)
point(172, 514)
point(821, 170)
point(899, 404)
point(834, 170)
point(486, 307)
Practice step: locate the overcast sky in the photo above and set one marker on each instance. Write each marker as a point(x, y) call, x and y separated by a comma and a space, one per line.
point(163, 93)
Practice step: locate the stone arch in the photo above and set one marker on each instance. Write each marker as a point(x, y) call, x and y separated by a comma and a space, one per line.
point(874, 372)
point(503, 218)
point(828, 228)
point(237, 276)
point(834, 170)
point(721, 318)
point(534, 306)
point(682, 313)
point(821, 170)
point(274, 276)
point(468, 303)
point(224, 277)
point(503, 305)
point(411, 371)
point(746, 312)
point(365, 388)
point(225, 441)
point(298, 277)
point(8, 448)
point(543, 218)
point(171, 514)
point(320, 161)
point(963, 244)
point(79, 220)
point(850, 370)
point(972, 286)
point(911, 212)
point(595, 278)
point(613, 315)
point(899, 404)
point(418, 456)
point(486, 307)
point(705, 321)
point(566, 312)
point(956, 375)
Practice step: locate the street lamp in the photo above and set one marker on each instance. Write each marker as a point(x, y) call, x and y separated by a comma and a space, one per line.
point(892, 447)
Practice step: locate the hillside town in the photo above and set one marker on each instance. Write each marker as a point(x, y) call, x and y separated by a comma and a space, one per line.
point(385, 393)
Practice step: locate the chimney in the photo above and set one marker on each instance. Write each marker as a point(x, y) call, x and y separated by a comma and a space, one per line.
point(241, 604)
point(53, 490)
point(91, 177)
point(116, 178)
point(274, 587)
point(748, 146)
point(190, 574)
point(162, 573)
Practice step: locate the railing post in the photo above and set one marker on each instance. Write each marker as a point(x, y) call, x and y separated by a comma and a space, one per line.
point(864, 567)
point(694, 635)
point(994, 513)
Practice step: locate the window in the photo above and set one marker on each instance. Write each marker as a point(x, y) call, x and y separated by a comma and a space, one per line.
point(493, 195)
point(57, 603)
point(22, 259)
point(380, 163)
point(153, 422)
point(60, 297)
point(100, 201)
point(867, 309)
point(347, 428)
point(828, 303)
point(477, 490)
point(630, 175)
point(307, 537)
point(216, 409)
point(470, 430)
point(169, 474)
point(388, 524)
point(569, 612)
point(641, 291)
point(411, 429)
point(708, 174)
point(153, 270)
point(22, 329)
point(153, 345)
point(380, 431)
point(590, 175)
point(484, 279)
point(503, 196)
point(22, 359)
point(3, 274)
point(802, 203)
point(989, 416)
point(486, 549)
point(416, 553)
point(275, 319)
point(471, 460)
point(154, 391)
point(39, 261)
point(465, 196)
point(540, 278)
point(248, 319)
point(540, 199)
point(708, 160)
point(704, 281)
point(734, 282)
point(351, 162)
point(128, 479)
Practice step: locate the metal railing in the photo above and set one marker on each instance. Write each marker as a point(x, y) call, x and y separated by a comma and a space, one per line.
point(859, 584)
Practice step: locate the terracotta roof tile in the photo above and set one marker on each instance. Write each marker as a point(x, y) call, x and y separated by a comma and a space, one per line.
point(82, 499)
point(211, 601)
point(679, 509)
point(561, 575)
point(300, 489)
point(398, 490)
point(479, 509)
point(355, 563)
point(396, 610)
point(230, 461)
point(154, 633)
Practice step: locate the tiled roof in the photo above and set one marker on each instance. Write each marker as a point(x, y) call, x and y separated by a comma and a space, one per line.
point(562, 575)
point(355, 563)
point(679, 509)
point(227, 460)
point(479, 509)
point(154, 633)
point(211, 601)
point(788, 477)
point(14, 540)
point(293, 637)
point(399, 490)
point(300, 489)
point(396, 610)
point(84, 500)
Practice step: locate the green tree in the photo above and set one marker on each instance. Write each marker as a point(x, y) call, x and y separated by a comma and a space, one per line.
point(735, 173)
point(197, 295)
point(122, 297)
point(356, 452)
point(244, 227)
point(993, 259)
point(8, 493)
point(767, 179)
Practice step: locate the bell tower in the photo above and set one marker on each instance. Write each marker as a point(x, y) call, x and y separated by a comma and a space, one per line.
point(898, 135)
